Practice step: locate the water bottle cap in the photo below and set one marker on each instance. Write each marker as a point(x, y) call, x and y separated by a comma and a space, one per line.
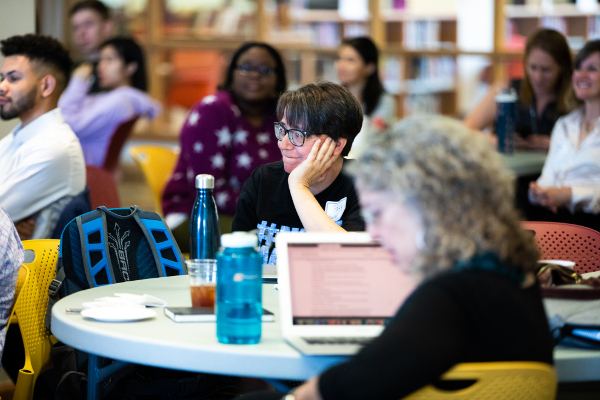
point(239, 239)
point(507, 96)
point(205, 181)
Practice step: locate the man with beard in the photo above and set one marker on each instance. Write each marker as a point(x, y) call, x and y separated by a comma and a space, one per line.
point(41, 162)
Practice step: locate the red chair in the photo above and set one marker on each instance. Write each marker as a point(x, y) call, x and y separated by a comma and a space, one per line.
point(111, 162)
point(560, 241)
point(102, 187)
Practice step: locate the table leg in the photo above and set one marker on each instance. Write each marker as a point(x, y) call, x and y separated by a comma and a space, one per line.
point(97, 375)
point(93, 387)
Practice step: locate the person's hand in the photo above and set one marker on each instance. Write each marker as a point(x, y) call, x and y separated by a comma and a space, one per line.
point(550, 197)
point(312, 170)
point(540, 142)
point(535, 142)
point(84, 71)
point(25, 228)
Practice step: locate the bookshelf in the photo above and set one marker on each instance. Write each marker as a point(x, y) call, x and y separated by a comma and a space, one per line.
point(419, 48)
point(578, 25)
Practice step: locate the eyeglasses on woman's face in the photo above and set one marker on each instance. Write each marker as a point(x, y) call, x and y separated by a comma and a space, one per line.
point(246, 69)
point(296, 136)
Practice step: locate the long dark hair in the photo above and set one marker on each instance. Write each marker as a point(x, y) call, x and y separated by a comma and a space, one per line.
point(281, 83)
point(130, 52)
point(555, 44)
point(370, 54)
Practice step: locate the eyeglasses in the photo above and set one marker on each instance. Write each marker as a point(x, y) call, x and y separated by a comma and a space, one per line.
point(245, 69)
point(296, 136)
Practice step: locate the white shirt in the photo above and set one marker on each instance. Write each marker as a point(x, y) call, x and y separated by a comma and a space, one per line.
point(382, 118)
point(573, 164)
point(40, 166)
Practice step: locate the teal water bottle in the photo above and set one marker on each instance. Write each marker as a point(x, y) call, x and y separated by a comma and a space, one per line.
point(239, 289)
point(204, 223)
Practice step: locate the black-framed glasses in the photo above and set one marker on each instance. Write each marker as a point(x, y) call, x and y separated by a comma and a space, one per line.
point(296, 136)
point(245, 69)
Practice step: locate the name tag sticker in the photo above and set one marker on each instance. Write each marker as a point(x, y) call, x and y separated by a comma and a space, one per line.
point(335, 209)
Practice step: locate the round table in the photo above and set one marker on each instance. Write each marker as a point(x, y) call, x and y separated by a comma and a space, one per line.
point(194, 347)
point(190, 346)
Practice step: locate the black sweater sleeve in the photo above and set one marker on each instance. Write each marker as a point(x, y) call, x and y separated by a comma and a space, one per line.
point(425, 339)
point(245, 218)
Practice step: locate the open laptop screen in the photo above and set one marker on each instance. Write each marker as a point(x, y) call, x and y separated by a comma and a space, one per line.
point(344, 284)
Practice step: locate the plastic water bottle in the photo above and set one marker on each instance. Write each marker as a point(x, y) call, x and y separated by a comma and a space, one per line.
point(506, 105)
point(204, 225)
point(239, 289)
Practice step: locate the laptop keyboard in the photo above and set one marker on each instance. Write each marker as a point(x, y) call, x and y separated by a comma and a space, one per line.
point(338, 340)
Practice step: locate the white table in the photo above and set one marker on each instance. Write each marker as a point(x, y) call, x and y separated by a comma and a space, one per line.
point(163, 343)
point(525, 162)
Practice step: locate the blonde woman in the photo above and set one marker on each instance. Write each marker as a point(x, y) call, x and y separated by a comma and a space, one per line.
point(440, 200)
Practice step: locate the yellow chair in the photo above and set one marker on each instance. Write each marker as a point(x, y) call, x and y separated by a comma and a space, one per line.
point(496, 381)
point(21, 279)
point(157, 163)
point(31, 310)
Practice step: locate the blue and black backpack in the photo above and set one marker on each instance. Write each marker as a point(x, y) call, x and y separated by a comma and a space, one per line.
point(110, 246)
point(99, 248)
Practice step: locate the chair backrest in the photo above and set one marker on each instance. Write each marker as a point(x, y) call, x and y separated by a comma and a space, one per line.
point(79, 204)
point(559, 241)
point(102, 187)
point(31, 311)
point(111, 162)
point(21, 279)
point(496, 380)
point(156, 163)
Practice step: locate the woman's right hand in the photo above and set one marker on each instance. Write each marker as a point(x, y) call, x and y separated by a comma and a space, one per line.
point(534, 142)
point(83, 72)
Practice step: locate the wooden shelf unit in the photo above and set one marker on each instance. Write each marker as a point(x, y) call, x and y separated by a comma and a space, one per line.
point(307, 62)
point(578, 26)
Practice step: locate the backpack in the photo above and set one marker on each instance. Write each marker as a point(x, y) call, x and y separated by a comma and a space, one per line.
point(102, 247)
point(110, 246)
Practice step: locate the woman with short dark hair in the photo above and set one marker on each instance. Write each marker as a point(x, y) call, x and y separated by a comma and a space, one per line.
point(306, 189)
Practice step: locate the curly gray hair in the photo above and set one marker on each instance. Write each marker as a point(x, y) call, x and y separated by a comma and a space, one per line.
point(459, 185)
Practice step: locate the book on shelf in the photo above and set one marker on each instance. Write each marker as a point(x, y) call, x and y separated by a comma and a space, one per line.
point(355, 30)
point(421, 34)
point(392, 75)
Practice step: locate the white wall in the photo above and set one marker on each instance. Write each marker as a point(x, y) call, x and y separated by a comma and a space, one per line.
point(17, 17)
point(475, 33)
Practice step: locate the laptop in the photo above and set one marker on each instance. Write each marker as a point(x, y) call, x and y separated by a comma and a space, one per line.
point(337, 291)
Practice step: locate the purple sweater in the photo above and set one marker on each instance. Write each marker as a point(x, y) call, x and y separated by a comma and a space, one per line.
point(95, 117)
point(217, 140)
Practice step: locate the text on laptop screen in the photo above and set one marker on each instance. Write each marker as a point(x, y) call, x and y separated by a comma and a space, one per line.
point(344, 284)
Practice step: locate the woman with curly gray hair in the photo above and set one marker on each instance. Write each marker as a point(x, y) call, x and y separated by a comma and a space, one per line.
point(440, 200)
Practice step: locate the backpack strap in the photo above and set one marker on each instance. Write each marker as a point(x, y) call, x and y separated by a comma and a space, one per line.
point(88, 224)
point(152, 222)
point(53, 290)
